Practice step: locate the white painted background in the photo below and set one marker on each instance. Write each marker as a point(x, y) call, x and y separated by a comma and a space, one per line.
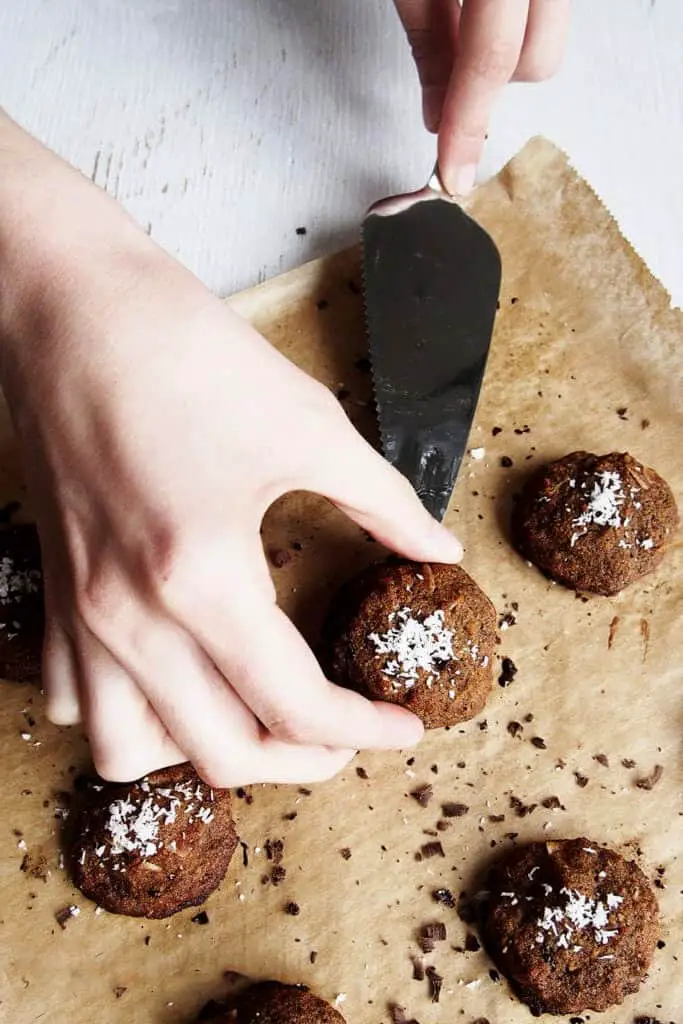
point(225, 124)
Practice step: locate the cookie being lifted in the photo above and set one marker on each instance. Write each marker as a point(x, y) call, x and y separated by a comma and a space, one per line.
point(272, 1003)
point(152, 847)
point(595, 522)
point(419, 635)
point(571, 925)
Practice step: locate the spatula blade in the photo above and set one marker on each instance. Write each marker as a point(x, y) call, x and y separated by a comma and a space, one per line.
point(432, 279)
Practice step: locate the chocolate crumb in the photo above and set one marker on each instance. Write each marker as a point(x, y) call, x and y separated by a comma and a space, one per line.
point(148, 939)
point(435, 930)
point(435, 769)
point(418, 969)
point(553, 803)
point(65, 914)
point(520, 808)
point(529, 717)
point(581, 780)
point(602, 759)
point(346, 853)
point(472, 943)
point(292, 908)
point(539, 742)
point(452, 810)
point(508, 672)
point(496, 819)
point(304, 791)
point(245, 854)
point(313, 956)
point(515, 728)
point(445, 897)
point(279, 557)
point(644, 424)
point(506, 462)
point(278, 874)
point(434, 849)
point(651, 780)
point(426, 944)
point(628, 762)
point(496, 431)
point(443, 826)
point(621, 413)
point(201, 918)
point(274, 850)
point(423, 794)
point(301, 231)
point(494, 975)
point(361, 772)
point(483, 725)
point(119, 991)
point(435, 983)
point(481, 1020)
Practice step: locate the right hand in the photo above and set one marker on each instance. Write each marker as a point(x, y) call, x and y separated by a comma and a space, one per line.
point(157, 427)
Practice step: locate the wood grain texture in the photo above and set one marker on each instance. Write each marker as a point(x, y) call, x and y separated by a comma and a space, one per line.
point(223, 125)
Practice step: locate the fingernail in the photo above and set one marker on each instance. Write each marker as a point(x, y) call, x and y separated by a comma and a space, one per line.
point(450, 546)
point(461, 181)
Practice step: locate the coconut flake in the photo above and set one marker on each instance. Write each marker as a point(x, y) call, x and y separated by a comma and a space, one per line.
point(417, 646)
point(604, 504)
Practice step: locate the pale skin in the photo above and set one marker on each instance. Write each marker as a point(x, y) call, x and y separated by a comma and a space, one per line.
point(138, 400)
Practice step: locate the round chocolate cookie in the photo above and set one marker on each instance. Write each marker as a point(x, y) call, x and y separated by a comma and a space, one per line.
point(272, 1003)
point(419, 635)
point(22, 611)
point(152, 847)
point(571, 925)
point(595, 522)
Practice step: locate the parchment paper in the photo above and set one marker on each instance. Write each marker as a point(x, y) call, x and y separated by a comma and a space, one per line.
point(583, 331)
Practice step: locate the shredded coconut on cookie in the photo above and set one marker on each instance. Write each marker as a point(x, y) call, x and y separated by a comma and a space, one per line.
point(417, 645)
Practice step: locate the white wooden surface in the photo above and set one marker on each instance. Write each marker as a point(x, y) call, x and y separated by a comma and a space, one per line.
point(223, 125)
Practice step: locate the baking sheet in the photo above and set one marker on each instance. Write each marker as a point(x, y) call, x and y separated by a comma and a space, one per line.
point(583, 331)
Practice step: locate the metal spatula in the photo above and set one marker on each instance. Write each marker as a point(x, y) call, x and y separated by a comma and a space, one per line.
point(432, 278)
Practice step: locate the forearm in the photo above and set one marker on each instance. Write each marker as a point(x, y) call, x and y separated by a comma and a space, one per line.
point(54, 224)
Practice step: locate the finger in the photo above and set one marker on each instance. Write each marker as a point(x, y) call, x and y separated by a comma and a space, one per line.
point(206, 717)
point(545, 39)
point(489, 45)
point(60, 675)
point(127, 739)
point(430, 26)
point(277, 676)
point(377, 497)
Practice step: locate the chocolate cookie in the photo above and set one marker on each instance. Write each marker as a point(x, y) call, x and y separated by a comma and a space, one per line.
point(152, 847)
point(419, 635)
point(595, 522)
point(22, 610)
point(273, 1003)
point(571, 925)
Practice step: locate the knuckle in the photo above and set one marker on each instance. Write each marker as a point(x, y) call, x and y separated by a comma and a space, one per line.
point(99, 603)
point(290, 727)
point(495, 64)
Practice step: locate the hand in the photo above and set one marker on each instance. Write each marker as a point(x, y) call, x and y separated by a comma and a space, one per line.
point(465, 53)
point(157, 427)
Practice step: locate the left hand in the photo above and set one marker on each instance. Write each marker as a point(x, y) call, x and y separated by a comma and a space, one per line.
point(466, 51)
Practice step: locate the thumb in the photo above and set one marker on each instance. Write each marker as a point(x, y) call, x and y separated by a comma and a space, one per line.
point(430, 26)
point(377, 497)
